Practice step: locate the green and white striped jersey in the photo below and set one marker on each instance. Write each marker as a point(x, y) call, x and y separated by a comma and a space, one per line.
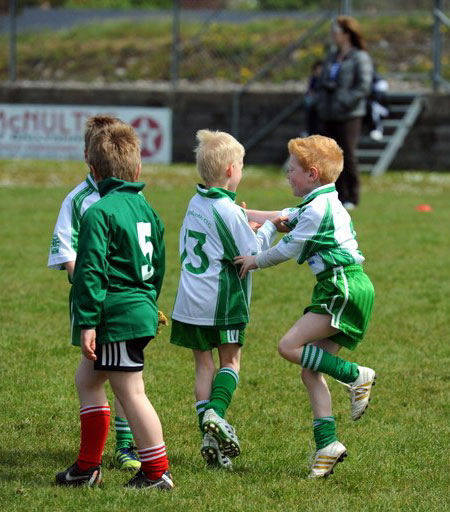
point(214, 231)
point(64, 245)
point(322, 234)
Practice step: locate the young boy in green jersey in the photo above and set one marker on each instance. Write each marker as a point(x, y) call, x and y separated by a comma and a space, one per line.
point(321, 233)
point(62, 255)
point(211, 308)
point(117, 279)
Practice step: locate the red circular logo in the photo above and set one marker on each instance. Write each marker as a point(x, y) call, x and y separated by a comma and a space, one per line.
point(150, 134)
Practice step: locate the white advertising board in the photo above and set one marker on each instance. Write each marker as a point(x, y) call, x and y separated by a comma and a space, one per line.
point(56, 132)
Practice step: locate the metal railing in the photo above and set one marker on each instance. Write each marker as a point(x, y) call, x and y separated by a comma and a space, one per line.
point(439, 19)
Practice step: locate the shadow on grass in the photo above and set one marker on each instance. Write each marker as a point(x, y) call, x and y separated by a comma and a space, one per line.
point(28, 460)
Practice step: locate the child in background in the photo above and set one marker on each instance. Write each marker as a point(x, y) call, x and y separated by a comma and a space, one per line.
point(62, 255)
point(321, 233)
point(117, 279)
point(313, 125)
point(212, 304)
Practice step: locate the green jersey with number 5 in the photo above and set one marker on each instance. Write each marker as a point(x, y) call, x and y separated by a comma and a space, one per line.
point(214, 231)
point(120, 264)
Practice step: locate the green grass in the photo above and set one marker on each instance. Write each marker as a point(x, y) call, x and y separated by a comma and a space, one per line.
point(398, 453)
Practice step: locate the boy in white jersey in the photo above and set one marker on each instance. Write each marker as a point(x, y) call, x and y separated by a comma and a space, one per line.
point(321, 233)
point(211, 308)
point(62, 255)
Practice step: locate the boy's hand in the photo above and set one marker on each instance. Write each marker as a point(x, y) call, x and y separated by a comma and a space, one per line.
point(87, 340)
point(280, 224)
point(254, 225)
point(247, 263)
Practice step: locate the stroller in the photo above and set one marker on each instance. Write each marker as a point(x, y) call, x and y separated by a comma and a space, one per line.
point(377, 106)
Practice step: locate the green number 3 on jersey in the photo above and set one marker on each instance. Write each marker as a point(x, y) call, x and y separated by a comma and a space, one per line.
point(144, 230)
point(204, 262)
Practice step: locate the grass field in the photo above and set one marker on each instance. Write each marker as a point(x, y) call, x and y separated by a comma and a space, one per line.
point(398, 452)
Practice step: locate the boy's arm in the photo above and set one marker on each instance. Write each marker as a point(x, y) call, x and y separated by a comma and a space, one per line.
point(90, 279)
point(265, 235)
point(261, 216)
point(244, 240)
point(264, 259)
point(298, 244)
point(70, 267)
point(88, 337)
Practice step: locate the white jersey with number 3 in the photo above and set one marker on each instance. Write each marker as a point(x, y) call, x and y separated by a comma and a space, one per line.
point(215, 230)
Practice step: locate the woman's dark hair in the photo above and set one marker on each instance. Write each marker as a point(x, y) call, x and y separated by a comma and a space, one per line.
point(350, 26)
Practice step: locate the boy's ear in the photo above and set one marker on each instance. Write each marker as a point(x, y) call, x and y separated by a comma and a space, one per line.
point(138, 171)
point(229, 171)
point(314, 173)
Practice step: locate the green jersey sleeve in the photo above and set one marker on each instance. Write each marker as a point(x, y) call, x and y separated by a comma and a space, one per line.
point(90, 277)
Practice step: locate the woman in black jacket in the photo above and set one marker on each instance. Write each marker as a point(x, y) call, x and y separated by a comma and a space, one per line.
point(341, 103)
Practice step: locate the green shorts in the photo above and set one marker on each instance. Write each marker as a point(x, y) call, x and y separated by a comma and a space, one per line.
point(201, 337)
point(347, 294)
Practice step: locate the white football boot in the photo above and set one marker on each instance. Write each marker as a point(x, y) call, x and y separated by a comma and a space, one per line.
point(212, 454)
point(223, 432)
point(360, 391)
point(326, 459)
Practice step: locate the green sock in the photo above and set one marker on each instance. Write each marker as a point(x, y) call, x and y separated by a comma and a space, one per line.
point(124, 437)
point(224, 384)
point(319, 360)
point(324, 431)
point(200, 408)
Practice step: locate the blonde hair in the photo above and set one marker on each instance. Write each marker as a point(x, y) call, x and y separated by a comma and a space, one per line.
point(320, 152)
point(214, 152)
point(115, 151)
point(96, 123)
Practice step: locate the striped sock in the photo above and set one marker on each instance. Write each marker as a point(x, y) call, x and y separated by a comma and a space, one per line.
point(200, 408)
point(319, 360)
point(94, 432)
point(124, 437)
point(324, 431)
point(154, 461)
point(224, 385)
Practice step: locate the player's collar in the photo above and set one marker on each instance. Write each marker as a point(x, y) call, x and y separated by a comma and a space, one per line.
point(90, 181)
point(215, 192)
point(113, 184)
point(324, 189)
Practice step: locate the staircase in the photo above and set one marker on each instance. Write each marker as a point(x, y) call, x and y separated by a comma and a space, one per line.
point(376, 156)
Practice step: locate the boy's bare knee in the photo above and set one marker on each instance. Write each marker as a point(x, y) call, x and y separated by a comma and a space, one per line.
point(234, 365)
point(230, 356)
point(283, 348)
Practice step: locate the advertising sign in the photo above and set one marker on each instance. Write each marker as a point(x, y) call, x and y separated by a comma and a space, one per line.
point(56, 132)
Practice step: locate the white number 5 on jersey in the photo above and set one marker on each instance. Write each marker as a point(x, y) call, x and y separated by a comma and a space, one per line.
point(144, 230)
